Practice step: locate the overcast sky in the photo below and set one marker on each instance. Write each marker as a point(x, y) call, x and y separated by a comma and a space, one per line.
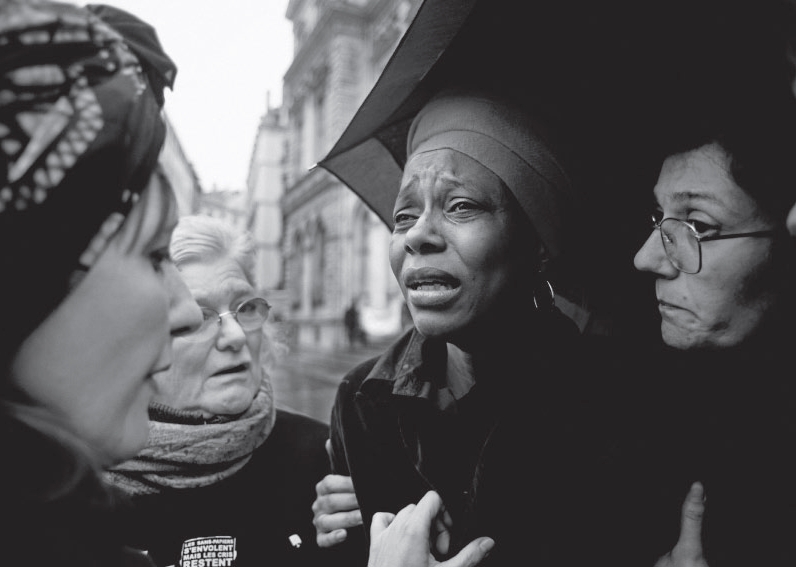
point(229, 55)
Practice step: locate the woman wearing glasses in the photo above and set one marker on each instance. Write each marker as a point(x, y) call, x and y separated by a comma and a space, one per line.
point(721, 409)
point(715, 253)
point(225, 475)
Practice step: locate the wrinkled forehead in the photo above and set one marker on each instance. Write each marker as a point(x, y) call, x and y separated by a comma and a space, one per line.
point(449, 169)
point(700, 179)
point(217, 280)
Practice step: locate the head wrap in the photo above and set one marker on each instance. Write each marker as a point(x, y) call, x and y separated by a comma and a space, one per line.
point(80, 134)
point(507, 140)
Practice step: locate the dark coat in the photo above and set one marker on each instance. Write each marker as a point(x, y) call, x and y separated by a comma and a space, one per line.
point(725, 418)
point(57, 508)
point(261, 506)
point(490, 460)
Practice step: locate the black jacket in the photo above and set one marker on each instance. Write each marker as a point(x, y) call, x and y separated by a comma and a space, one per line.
point(260, 507)
point(669, 418)
point(496, 460)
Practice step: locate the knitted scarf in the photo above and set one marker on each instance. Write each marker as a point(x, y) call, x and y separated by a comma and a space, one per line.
point(191, 456)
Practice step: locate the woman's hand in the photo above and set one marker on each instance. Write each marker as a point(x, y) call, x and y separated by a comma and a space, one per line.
point(335, 509)
point(687, 552)
point(411, 537)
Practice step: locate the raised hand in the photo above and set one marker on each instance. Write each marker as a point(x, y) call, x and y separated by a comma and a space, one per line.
point(407, 539)
point(687, 552)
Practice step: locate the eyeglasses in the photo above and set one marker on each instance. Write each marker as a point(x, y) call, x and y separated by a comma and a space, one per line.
point(250, 315)
point(683, 244)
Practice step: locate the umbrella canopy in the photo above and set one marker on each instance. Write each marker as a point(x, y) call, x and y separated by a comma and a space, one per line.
point(619, 81)
point(613, 76)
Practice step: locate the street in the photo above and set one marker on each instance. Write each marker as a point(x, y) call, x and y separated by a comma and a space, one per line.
point(307, 380)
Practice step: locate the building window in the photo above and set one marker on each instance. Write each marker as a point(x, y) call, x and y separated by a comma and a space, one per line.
point(320, 123)
point(318, 266)
point(296, 269)
point(296, 138)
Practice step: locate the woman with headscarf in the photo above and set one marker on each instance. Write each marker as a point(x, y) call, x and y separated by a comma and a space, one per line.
point(481, 220)
point(91, 296)
point(86, 218)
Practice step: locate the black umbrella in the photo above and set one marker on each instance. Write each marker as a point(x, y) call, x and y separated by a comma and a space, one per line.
point(619, 79)
point(369, 156)
point(614, 75)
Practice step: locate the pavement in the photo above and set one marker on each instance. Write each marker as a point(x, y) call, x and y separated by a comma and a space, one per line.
point(306, 381)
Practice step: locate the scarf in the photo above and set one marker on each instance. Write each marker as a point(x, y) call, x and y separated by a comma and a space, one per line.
point(191, 456)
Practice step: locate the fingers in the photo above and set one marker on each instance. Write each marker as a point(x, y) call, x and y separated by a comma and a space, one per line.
point(334, 483)
point(413, 519)
point(402, 540)
point(334, 503)
point(381, 521)
point(328, 447)
point(335, 494)
point(690, 542)
point(428, 511)
point(687, 552)
point(330, 539)
point(325, 523)
point(472, 554)
point(335, 510)
point(440, 534)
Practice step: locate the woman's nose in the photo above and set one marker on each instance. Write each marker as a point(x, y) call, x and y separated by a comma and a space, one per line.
point(231, 335)
point(185, 315)
point(651, 257)
point(424, 236)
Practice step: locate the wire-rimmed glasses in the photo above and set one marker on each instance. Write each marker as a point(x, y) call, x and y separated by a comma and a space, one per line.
point(683, 244)
point(250, 315)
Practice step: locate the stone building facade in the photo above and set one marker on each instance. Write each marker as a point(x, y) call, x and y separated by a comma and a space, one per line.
point(264, 191)
point(334, 249)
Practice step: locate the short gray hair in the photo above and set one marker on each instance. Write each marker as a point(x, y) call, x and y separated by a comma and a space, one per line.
point(202, 238)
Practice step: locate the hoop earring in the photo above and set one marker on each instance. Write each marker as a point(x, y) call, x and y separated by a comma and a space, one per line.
point(548, 300)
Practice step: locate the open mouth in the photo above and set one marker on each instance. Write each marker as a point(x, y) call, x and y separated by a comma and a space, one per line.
point(233, 370)
point(431, 285)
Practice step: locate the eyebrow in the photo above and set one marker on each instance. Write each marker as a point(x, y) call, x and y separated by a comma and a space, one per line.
point(680, 197)
point(450, 182)
point(234, 290)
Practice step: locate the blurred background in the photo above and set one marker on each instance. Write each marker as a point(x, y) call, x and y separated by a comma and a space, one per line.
point(307, 65)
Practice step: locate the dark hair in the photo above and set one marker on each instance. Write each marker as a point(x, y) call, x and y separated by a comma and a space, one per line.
point(759, 137)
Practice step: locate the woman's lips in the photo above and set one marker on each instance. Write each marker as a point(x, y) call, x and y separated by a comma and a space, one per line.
point(429, 287)
point(237, 369)
point(663, 305)
point(431, 298)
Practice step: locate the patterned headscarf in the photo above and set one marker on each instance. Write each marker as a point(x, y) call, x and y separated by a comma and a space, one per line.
point(80, 134)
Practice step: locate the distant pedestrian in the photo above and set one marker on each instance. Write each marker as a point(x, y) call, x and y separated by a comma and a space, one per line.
point(353, 326)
